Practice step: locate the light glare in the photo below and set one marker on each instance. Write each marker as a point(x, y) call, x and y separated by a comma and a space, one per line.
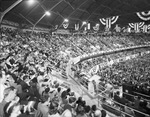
point(31, 2)
point(47, 13)
point(66, 20)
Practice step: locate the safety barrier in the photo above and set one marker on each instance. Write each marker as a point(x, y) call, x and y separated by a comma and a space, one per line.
point(111, 109)
point(134, 96)
point(117, 111)
point(142, 95)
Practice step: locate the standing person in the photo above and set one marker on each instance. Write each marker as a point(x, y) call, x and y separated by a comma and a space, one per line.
point(43, 109)
point(91, 88)
point(109, 88)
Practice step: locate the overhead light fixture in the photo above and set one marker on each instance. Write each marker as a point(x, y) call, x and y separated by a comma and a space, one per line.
point(66, 20)
point(47, 13)
point(31, 2)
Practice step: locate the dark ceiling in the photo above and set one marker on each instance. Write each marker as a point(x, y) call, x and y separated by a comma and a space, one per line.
point(75, 11)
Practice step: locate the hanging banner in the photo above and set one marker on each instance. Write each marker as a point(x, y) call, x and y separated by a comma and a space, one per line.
point(109, 21)
point(136, 26)
point(76, 27)
point(117, 28)
point(88, 26)
point(144, 15)
point(145, 28)
point(129, 29)
point(96, 27)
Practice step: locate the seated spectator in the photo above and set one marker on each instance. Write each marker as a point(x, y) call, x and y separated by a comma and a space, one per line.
point(80, 111)
point(71, 104)
point(128, 111)
point(97, 113)
point(87, 109)
point(12, 110)
point(66, 113)
point(45, 94)
point(9, 95)
point(43, 109)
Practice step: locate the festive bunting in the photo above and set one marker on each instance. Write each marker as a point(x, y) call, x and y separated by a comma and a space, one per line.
point(56, 26)
point(103, 21)
point(129, 29)
point(109, 21)
point(88, 26)
point(136, 26)
point(117, 28)
point(76, 27)
point(114, 19)
point(145, 28)
point(96, 27)
point(144, 15)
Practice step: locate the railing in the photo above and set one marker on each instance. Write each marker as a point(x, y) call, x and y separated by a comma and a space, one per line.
point(142, 95)
point(114, 102)
point(84, 83)
point(108, 108)
point(122, 105)
point(134, 96)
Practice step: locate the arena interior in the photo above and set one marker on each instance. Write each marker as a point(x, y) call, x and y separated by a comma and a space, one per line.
point(75, 58)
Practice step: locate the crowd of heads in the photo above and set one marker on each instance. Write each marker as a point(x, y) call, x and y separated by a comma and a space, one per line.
point(26, 84)
point(134, 73)
point(27, 60)
point(133, 76)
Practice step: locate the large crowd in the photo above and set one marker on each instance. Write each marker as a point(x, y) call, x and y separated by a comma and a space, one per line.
point(133, 76)
point(27, 60)
point(26, 84)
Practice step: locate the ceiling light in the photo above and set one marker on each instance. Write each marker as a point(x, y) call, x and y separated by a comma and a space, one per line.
point(31, 2)
point(47, 13)
point(66, 20)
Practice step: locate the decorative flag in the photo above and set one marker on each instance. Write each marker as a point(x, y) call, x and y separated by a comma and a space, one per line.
point(136, 26)
point(145, 28)
point(76, 27)
point(56, 26)
point(144, 15)
point(117, 28)
point(96, 27)
point(88, 26)
point(129, 29)
point(109, 21)
point(65, 25)
point(85, 28)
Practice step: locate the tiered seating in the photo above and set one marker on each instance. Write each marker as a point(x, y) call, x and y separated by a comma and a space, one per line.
point(27, 61)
